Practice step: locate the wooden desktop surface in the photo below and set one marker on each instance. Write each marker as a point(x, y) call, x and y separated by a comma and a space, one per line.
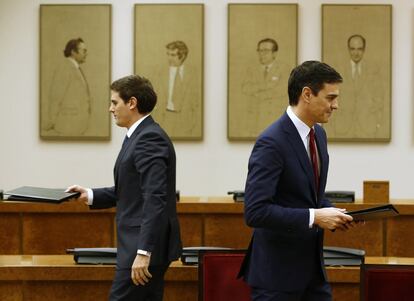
point(57, 277)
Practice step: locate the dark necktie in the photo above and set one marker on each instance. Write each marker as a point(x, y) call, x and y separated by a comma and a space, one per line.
point(266, 72)
point(125, 141)
point(313, 157)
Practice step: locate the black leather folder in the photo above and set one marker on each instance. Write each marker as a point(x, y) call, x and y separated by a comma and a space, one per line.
point(93, 255)
point(238, 195)
point(336, 196)
point(384, 211)
point(336, 256)
point(39, 194)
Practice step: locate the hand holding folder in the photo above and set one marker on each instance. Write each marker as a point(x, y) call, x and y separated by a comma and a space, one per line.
point(372, 213)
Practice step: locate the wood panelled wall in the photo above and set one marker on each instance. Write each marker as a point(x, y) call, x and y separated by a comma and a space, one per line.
point(33, 228)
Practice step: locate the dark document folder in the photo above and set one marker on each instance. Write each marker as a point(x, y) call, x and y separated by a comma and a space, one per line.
point(374, 213)
point(38, 194)
point(338, 256)
point(93, 255)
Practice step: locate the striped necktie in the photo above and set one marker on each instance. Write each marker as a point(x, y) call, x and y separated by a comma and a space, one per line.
point(126, 139)
point(313, 157)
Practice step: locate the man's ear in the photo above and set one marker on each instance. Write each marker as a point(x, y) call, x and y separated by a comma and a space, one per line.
point(133, 102)
point(307, 94)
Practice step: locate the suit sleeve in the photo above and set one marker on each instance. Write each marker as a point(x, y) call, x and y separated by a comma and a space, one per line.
point(104, 198)
point(151, 159)
point(326, 203)
point(266, 165)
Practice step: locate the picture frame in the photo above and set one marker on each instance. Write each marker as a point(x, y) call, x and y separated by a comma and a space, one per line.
point(75, 72)
point(262, 50)
point(360, 49)
point(170, 54)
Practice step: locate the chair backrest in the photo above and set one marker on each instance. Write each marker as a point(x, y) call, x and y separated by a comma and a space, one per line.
point(218, 276)
point(384, 282)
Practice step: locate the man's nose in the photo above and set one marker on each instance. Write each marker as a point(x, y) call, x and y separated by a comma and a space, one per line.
point(335, 105)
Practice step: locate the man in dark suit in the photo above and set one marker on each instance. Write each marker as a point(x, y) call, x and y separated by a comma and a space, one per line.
point(284, 195)
point(144, 194)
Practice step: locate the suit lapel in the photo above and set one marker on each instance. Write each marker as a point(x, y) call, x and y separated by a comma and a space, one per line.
point(323, 158)
point(300, 151)
point(147, 121)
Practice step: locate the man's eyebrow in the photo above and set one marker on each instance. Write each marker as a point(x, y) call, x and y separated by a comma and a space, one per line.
point(333, 94)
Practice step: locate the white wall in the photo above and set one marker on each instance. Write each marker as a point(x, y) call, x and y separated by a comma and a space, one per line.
point(207, 168)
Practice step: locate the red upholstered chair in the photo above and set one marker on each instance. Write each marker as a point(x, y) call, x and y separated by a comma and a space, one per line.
point(218, 276)
point(387, 282)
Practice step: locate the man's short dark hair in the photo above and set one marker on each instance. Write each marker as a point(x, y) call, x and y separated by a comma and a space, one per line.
point(357, 36)
point(312, 74)
point(182, 49)
point(72, 45)
point(275, 46)
point(138, 87)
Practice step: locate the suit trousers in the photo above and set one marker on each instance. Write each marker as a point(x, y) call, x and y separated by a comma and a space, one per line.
point(317, 290)
point(123, 289)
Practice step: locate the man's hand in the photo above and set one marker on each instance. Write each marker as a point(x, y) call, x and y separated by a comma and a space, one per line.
point(139, 271)
point(333, 218)
point(83, 193)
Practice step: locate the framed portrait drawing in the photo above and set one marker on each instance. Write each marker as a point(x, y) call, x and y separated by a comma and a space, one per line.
point(358, 46)
point(75, 72)
point(262, 50)
point(169, 52)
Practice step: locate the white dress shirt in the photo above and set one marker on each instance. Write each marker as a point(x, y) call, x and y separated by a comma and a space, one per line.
point(174, 71)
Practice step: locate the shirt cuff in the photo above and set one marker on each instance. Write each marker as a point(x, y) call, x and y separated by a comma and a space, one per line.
point(90, 196)
point(311, 217)
point(145, 253)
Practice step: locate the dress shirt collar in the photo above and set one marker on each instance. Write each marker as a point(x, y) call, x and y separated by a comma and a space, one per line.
point(135, 125)
point(174, 69)
point(302, 127)
point(356, 67)
point(74, 62)
point(269, 66)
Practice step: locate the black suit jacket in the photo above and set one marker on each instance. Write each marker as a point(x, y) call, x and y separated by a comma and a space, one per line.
point(144, 195)
point(284, 253)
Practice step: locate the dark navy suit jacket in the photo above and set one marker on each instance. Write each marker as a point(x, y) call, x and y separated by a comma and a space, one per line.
point(284, 253)
point(144, 196)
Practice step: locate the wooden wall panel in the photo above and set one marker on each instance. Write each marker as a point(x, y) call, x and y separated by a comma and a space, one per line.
point(181, 291)
point(226, 230)
point(66, 290)
point(191, 228)
point(368, 237)
point(54, 233)
point(10, 234)
point(400, 236)
point(49, 229)
point(345, 291)
point(11, 291)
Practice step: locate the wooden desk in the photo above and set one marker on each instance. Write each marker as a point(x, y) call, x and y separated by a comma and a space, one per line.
point(57, 277)
point(50, 229)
